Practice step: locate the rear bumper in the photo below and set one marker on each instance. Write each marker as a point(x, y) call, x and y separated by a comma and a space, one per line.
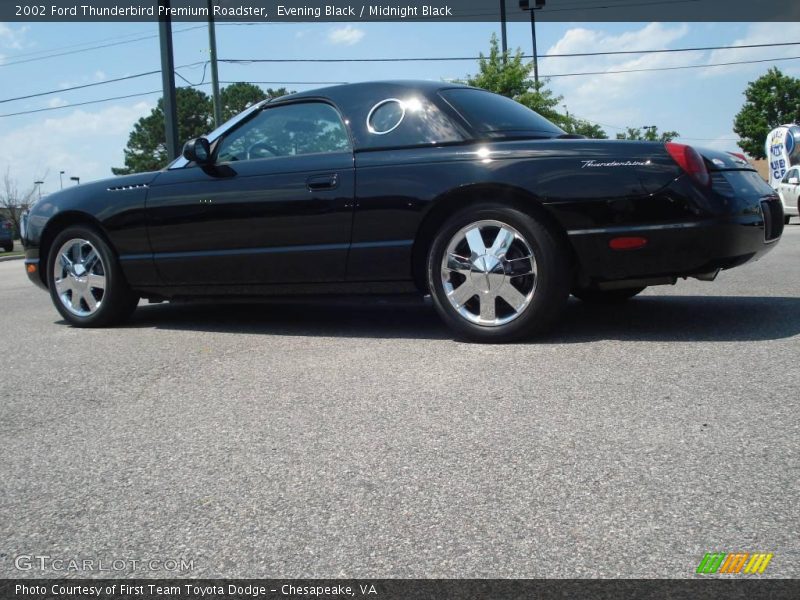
point(678, 249)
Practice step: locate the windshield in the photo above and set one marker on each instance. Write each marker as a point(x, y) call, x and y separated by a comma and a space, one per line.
point(498, 116)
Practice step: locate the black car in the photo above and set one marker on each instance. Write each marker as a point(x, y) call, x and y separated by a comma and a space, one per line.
point(402, 187)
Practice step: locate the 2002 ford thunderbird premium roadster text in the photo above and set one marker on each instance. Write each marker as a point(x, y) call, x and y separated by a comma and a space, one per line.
point(399, 187)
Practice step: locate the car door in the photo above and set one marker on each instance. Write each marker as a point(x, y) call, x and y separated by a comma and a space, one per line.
point(276, 206)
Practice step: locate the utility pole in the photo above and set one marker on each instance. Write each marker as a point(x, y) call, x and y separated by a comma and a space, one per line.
point(212, 44)
point(168, 80)
point(503, 30)
point(537, 5)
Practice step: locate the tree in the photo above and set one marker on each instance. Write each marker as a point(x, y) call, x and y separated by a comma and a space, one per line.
point(14, 202)
point(771, 100)
point(650, 134)
point(581, 127)
point(147, 143)
point(239, 96)
point(509, 76)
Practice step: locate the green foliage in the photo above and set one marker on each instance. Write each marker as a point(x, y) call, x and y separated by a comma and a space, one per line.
point(239, 96)
point(509, 76)
point(585, 128)
point(147, 144)
point(512, 78)
point(651, 134)
point(771, 100)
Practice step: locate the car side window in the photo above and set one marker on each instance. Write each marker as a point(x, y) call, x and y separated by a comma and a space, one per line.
point(789, 174)
point(289, 130)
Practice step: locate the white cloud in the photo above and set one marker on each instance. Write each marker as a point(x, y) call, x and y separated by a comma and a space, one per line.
point(612, 98)
point(758, 33)
point(55, 102)
point(84, 143)
point(346, 36)
point(13, 39)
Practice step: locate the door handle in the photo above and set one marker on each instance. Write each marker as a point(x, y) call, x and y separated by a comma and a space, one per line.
point(322, 182)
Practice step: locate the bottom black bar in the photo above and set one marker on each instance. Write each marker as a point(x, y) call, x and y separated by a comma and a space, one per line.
point(399, 589)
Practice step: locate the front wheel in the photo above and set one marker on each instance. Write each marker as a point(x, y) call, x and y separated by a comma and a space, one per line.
point(86, 282)
point(497, 274)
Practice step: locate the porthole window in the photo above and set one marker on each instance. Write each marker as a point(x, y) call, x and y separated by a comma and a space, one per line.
point(386, 116)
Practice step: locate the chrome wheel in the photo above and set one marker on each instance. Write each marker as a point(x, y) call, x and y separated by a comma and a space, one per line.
point(79, 277)
point(489, 273)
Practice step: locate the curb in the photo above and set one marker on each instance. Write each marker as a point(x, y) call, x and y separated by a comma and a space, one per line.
point(8, 258)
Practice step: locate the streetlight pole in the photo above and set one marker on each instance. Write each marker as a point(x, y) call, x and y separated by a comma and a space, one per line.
point(503, 30)
point(77, 180)
point(168, 80)
point(38, 185)
point(61, 179)
point(537, 5)
point(212, 43)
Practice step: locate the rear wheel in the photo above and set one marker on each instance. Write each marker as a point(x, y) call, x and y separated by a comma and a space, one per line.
point(8, 247)
point(86, 282)
point(497, 274)
point(787, 218)
point(607, 296)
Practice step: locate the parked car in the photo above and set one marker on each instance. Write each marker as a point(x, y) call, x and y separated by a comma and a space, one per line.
point(7, 235)
point(402, 187)
point(789, 191)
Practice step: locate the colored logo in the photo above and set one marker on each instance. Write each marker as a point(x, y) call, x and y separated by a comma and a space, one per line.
point(735, 563)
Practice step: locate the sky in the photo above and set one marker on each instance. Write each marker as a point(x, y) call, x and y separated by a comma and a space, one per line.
point(87, 141)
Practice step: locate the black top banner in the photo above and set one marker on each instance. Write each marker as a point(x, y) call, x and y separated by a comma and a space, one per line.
point(400, 589)
point(296, 11)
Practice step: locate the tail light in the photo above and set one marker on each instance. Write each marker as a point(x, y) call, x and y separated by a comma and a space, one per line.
point(690, 161)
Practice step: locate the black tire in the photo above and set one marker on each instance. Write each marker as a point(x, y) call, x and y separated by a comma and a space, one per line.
point(118, 301)
point(786, 219)
point(8, 247)
point(607, 296)
point(552, 280)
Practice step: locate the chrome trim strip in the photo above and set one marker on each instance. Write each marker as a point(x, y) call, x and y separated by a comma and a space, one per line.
point(634, 228)
point(374, 131)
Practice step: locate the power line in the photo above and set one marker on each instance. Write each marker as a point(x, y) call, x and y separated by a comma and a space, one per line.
point(98, 47)
point(554, 75)
point(473, 58)
point(289, 82)
point(52, 52)
point(97, 83)
point(676, 68)
point(159, 91)
point(39, 110)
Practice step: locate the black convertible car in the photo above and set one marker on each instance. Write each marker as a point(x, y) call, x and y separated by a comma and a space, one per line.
point(402, 187)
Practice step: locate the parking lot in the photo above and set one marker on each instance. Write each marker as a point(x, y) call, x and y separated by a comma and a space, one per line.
point(361, 440)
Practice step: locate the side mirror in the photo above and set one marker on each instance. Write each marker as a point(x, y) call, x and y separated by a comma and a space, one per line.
point(197, 151)
point(794, 180)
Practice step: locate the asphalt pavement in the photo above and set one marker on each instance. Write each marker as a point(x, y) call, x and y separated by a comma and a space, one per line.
point(361, 440)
